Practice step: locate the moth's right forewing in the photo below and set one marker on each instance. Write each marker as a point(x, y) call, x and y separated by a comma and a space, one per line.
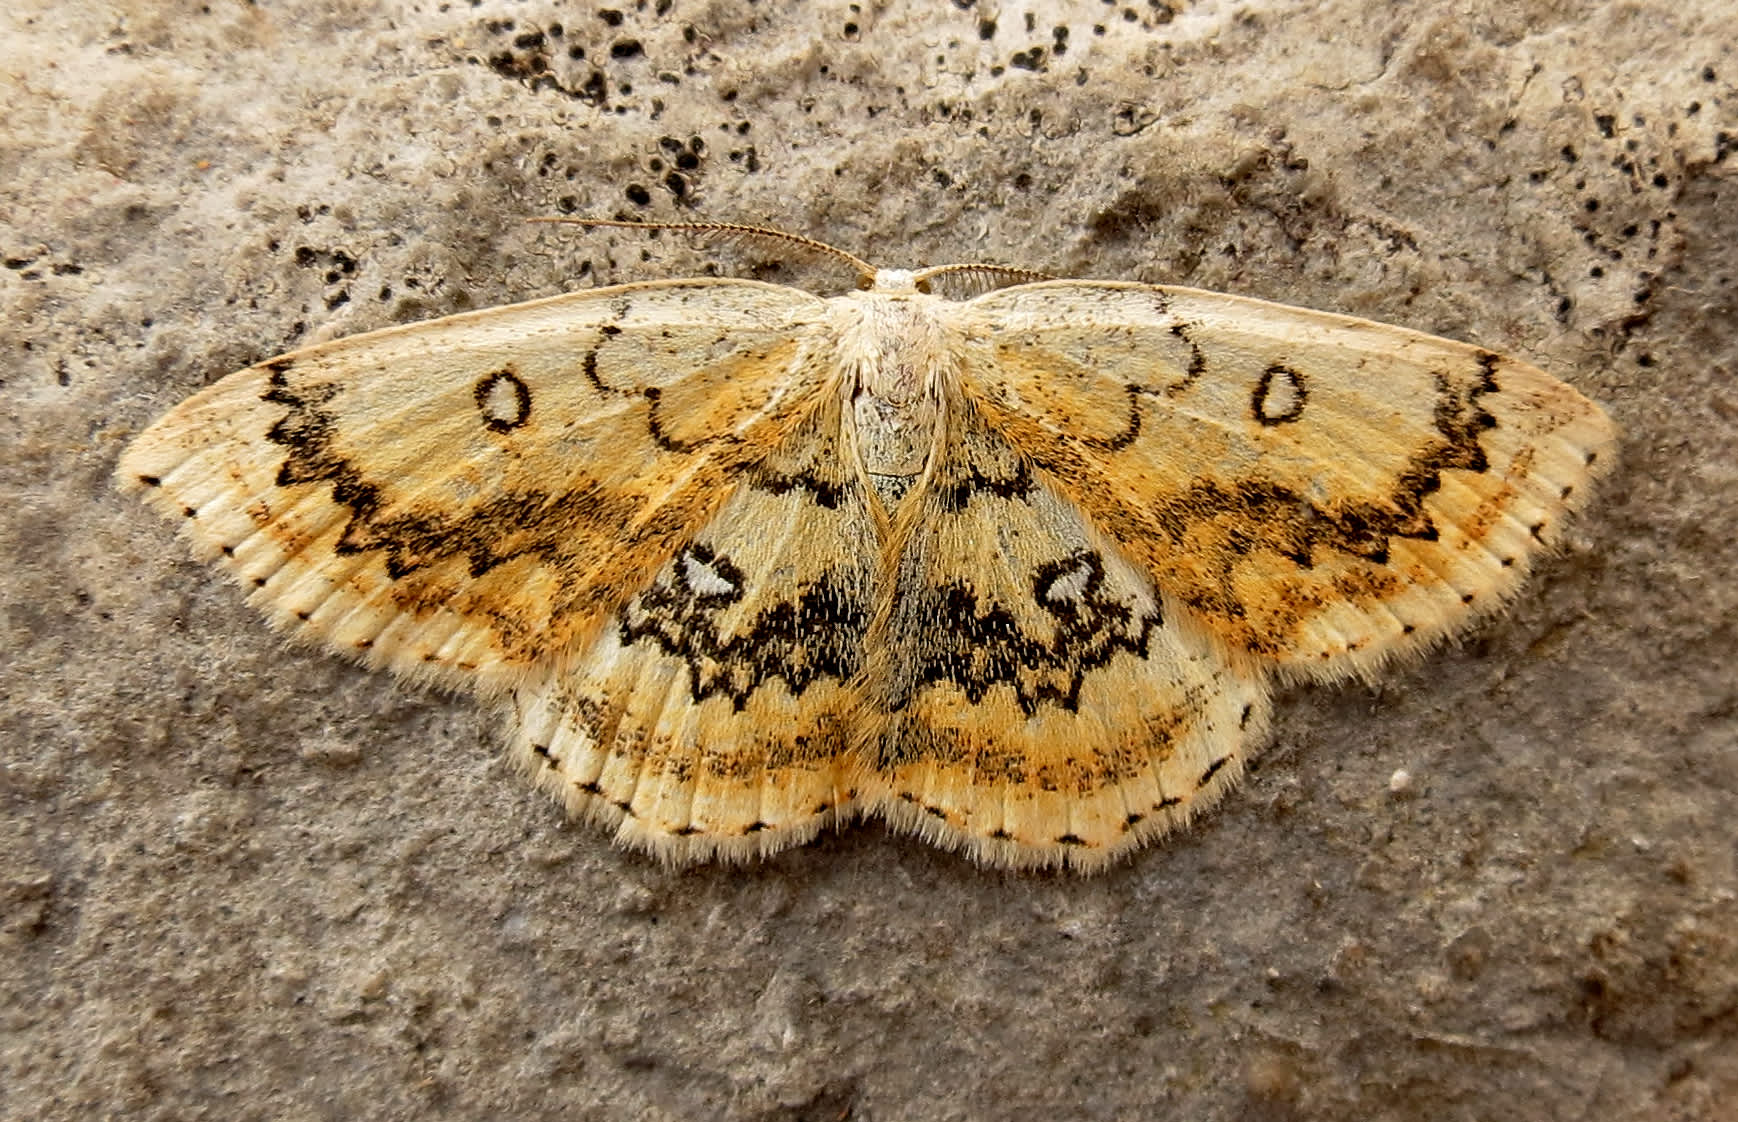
point(1319, 491)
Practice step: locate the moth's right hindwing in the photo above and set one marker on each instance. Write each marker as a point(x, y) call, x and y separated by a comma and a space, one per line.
point(1033, 698)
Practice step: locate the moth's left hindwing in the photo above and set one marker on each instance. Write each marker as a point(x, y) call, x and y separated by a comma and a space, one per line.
point(714, 717)
point(476, 494)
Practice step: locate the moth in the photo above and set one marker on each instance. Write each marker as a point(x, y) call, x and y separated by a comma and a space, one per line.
point(1015, 573)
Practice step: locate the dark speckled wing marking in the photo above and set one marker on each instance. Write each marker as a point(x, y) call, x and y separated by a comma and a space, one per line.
point(974, 604)
point(984, 643)
point(815, 634)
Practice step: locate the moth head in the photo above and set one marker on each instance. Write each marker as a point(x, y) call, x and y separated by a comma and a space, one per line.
point(894, 282)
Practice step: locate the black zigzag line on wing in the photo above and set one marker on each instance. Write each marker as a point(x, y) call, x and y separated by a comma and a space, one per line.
point(815, 635)
point(516, 523)
point(532, 522)
point(974, 645)
point(1296, 526)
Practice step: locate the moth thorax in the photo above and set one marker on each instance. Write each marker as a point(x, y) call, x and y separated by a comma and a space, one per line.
point(900, 360)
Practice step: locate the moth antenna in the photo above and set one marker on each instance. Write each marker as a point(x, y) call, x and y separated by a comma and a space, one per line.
point(981, 270)
point(865, 271)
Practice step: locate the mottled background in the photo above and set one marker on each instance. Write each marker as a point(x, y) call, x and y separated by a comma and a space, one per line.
point(242, 881)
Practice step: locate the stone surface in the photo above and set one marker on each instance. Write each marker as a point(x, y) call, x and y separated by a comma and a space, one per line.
point(252, 882)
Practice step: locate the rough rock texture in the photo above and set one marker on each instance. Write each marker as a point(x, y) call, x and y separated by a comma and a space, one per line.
point(241, 881)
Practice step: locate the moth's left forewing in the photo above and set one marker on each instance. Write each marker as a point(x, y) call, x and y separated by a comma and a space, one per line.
point(474, 495)
point(1321, 491)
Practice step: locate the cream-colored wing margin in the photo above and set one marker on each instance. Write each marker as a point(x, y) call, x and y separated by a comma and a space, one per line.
point(1322, 491)
point(709, 719)
point(473, 496)
point(1031, 696)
